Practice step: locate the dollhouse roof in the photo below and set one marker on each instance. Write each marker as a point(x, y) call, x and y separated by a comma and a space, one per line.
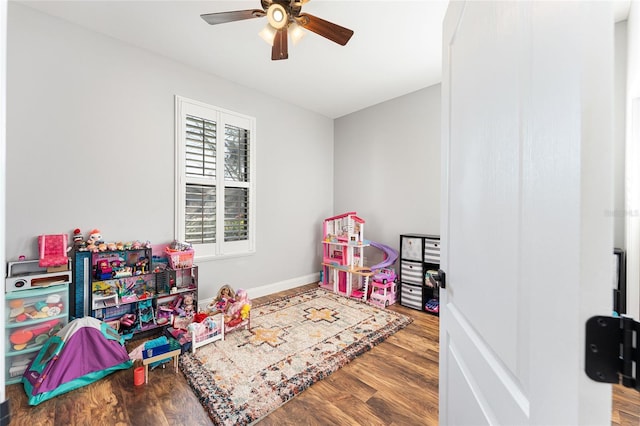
point(351, 215)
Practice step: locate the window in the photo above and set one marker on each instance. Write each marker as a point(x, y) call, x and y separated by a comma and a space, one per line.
point(214, 179)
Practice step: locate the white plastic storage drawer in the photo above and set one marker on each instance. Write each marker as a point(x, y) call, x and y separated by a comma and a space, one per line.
point(411, 296)
point(411, 248)
point(411, 272)
point(432, 250)
point(31, 317)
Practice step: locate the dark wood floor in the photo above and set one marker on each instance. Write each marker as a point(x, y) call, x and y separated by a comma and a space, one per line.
point(394, 384)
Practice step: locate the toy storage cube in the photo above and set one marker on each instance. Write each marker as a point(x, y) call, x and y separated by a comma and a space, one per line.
point(411, 296)
point(412, 272)
point(411, 248)
point(432, 251)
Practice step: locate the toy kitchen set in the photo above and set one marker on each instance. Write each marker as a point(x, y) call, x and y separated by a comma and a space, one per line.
point(37, 299)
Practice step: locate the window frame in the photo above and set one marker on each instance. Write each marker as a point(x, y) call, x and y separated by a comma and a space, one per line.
point(222, 117)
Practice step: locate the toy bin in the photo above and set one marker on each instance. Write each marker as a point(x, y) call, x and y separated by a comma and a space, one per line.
point(31, 317)
point(411, 296)
point(180, 259)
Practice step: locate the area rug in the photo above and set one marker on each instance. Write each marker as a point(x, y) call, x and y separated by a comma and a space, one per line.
point(293, 342)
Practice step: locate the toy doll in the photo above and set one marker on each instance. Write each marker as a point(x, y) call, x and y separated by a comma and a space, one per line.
point(223, 300)
point(188, 305)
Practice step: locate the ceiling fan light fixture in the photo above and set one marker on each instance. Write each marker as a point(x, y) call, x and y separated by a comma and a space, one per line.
point(277, 16)
point(268, 34)
point(286, 24)
point(296, 32)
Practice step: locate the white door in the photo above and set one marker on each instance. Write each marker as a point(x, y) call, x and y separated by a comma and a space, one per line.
point(527, 241)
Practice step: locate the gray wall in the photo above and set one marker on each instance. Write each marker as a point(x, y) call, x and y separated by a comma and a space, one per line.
point(90, 144)
point(387, 167)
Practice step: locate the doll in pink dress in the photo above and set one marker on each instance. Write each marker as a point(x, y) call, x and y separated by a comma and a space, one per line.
point(223, 300)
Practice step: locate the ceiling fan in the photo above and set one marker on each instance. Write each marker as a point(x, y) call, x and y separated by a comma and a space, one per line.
point(284, 18)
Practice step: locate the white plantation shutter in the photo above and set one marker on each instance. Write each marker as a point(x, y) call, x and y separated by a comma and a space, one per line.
point(200, 147)
point(214, 188)
point(236, 176)
point(200, 164)
point(236, 207)
point(200, 214)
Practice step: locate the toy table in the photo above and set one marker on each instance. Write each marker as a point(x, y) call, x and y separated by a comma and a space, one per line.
point(174, 352)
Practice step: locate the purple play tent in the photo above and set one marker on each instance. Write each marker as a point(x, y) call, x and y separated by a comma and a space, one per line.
point(84, 351)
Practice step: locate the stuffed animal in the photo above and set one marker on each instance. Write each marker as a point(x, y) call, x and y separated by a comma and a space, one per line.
point(244, 312)
point(95, 237)
point(210, 323)
point(196, 327)
point(78, 240)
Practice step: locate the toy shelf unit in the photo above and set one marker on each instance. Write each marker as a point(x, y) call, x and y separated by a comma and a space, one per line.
point(124, 292)
point(176, 287)
point(31, 317)
point(343, 245)
point(120, 276)
point(419, 255)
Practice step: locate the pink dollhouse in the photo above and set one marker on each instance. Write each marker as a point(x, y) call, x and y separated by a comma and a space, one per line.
point(343, 244)
point(343, 269)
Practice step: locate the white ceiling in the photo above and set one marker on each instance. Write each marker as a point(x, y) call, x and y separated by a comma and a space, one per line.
point(395, 49)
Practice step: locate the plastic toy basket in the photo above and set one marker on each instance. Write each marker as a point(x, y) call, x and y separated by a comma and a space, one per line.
point(180, 259)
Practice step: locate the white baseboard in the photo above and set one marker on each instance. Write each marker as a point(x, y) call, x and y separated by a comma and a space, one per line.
point(265, 290)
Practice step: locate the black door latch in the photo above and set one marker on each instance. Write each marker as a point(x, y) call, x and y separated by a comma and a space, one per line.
point(438, 279)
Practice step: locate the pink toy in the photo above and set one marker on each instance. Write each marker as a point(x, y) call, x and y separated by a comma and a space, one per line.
point(385, 275)
point(239, 309)
point(52, 250)
point(383, 294)
point(238, 312)
point(343, 268)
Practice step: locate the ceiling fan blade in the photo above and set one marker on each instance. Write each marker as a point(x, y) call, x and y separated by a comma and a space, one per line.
point(326, 29)
point(280, 48)
point(236, 15)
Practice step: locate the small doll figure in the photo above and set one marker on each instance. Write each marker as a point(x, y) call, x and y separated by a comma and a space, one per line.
point(187, 305)
point(223, 300)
